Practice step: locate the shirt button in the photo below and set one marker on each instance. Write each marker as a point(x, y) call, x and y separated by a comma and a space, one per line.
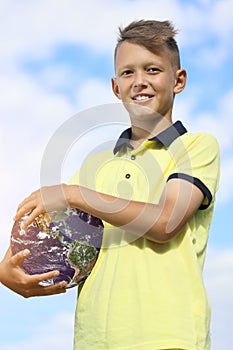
point(133, 157)
point(127, 176)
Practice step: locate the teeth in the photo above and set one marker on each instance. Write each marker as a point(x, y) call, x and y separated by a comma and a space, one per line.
point(140, 98)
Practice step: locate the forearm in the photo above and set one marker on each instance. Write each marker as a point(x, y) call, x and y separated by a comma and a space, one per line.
point(150, 220)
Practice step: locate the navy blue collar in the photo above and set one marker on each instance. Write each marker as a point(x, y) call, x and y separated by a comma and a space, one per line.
point(166, 137)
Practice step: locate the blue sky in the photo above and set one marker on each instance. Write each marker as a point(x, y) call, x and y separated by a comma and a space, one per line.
point(56, 61)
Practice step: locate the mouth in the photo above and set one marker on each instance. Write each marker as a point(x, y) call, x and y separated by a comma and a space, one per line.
point(142, 98)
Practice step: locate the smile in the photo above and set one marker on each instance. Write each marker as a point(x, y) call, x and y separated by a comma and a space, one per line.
point(142, 97)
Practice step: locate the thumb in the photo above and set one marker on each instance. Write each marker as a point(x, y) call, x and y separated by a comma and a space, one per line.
point(18, 258)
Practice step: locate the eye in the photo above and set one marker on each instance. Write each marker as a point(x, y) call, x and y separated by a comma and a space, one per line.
point(153, 70)
point(127, 72)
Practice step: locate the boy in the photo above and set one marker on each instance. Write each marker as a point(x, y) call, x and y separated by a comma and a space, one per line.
point(155, 192)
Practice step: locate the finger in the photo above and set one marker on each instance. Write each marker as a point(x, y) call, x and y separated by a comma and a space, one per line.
point(37, 278)
point(19, 257)
point(34, 282)
point(38, 290)
point(23, 209)
point(28, 204)
point(31, 217)
point(52, 290)
point(57, 287)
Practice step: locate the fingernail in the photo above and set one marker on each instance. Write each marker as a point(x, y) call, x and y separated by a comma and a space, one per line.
point(22, 225)
point(26, 252)
point(63, 284)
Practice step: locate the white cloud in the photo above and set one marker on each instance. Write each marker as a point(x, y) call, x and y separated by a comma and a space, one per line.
point(55, 332)
point(221, 19)
point(212, 57)
point(225, 193)
point(95, 92)
point(27, 104)
point(219, 283)
point(56, 76)
point(29, 115)
point(35, 28)
point(219, 268)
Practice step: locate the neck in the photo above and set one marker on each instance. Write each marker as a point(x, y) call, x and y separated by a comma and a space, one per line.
point(144, 129)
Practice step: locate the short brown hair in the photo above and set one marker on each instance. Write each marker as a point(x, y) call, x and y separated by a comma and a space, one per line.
point(153, 35)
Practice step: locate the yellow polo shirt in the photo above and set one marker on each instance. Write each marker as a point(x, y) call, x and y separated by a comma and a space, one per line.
point(140, 294)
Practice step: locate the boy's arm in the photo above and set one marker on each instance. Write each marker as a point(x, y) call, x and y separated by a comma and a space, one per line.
point(15, 278)
point(157, 222)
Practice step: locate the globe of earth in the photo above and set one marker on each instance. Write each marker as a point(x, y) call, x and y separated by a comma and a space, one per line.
point(67, 240)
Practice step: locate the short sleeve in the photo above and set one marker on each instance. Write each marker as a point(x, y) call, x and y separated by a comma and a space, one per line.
point(199, 163)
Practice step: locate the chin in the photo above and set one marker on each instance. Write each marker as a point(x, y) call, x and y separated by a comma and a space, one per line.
point(141, 112)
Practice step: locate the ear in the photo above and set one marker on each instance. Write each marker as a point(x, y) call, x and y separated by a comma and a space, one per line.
point(180, 80)
point(115, 88)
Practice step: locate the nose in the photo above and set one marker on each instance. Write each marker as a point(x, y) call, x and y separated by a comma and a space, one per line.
point(139, 80)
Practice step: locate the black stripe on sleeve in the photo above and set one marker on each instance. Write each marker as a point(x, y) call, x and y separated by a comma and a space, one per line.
point(197, 183)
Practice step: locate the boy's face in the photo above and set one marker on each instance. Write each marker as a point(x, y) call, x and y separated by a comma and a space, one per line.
point(147, 79)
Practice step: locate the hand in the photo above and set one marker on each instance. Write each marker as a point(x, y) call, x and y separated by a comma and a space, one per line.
point(46, 199)
point(16, 279)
